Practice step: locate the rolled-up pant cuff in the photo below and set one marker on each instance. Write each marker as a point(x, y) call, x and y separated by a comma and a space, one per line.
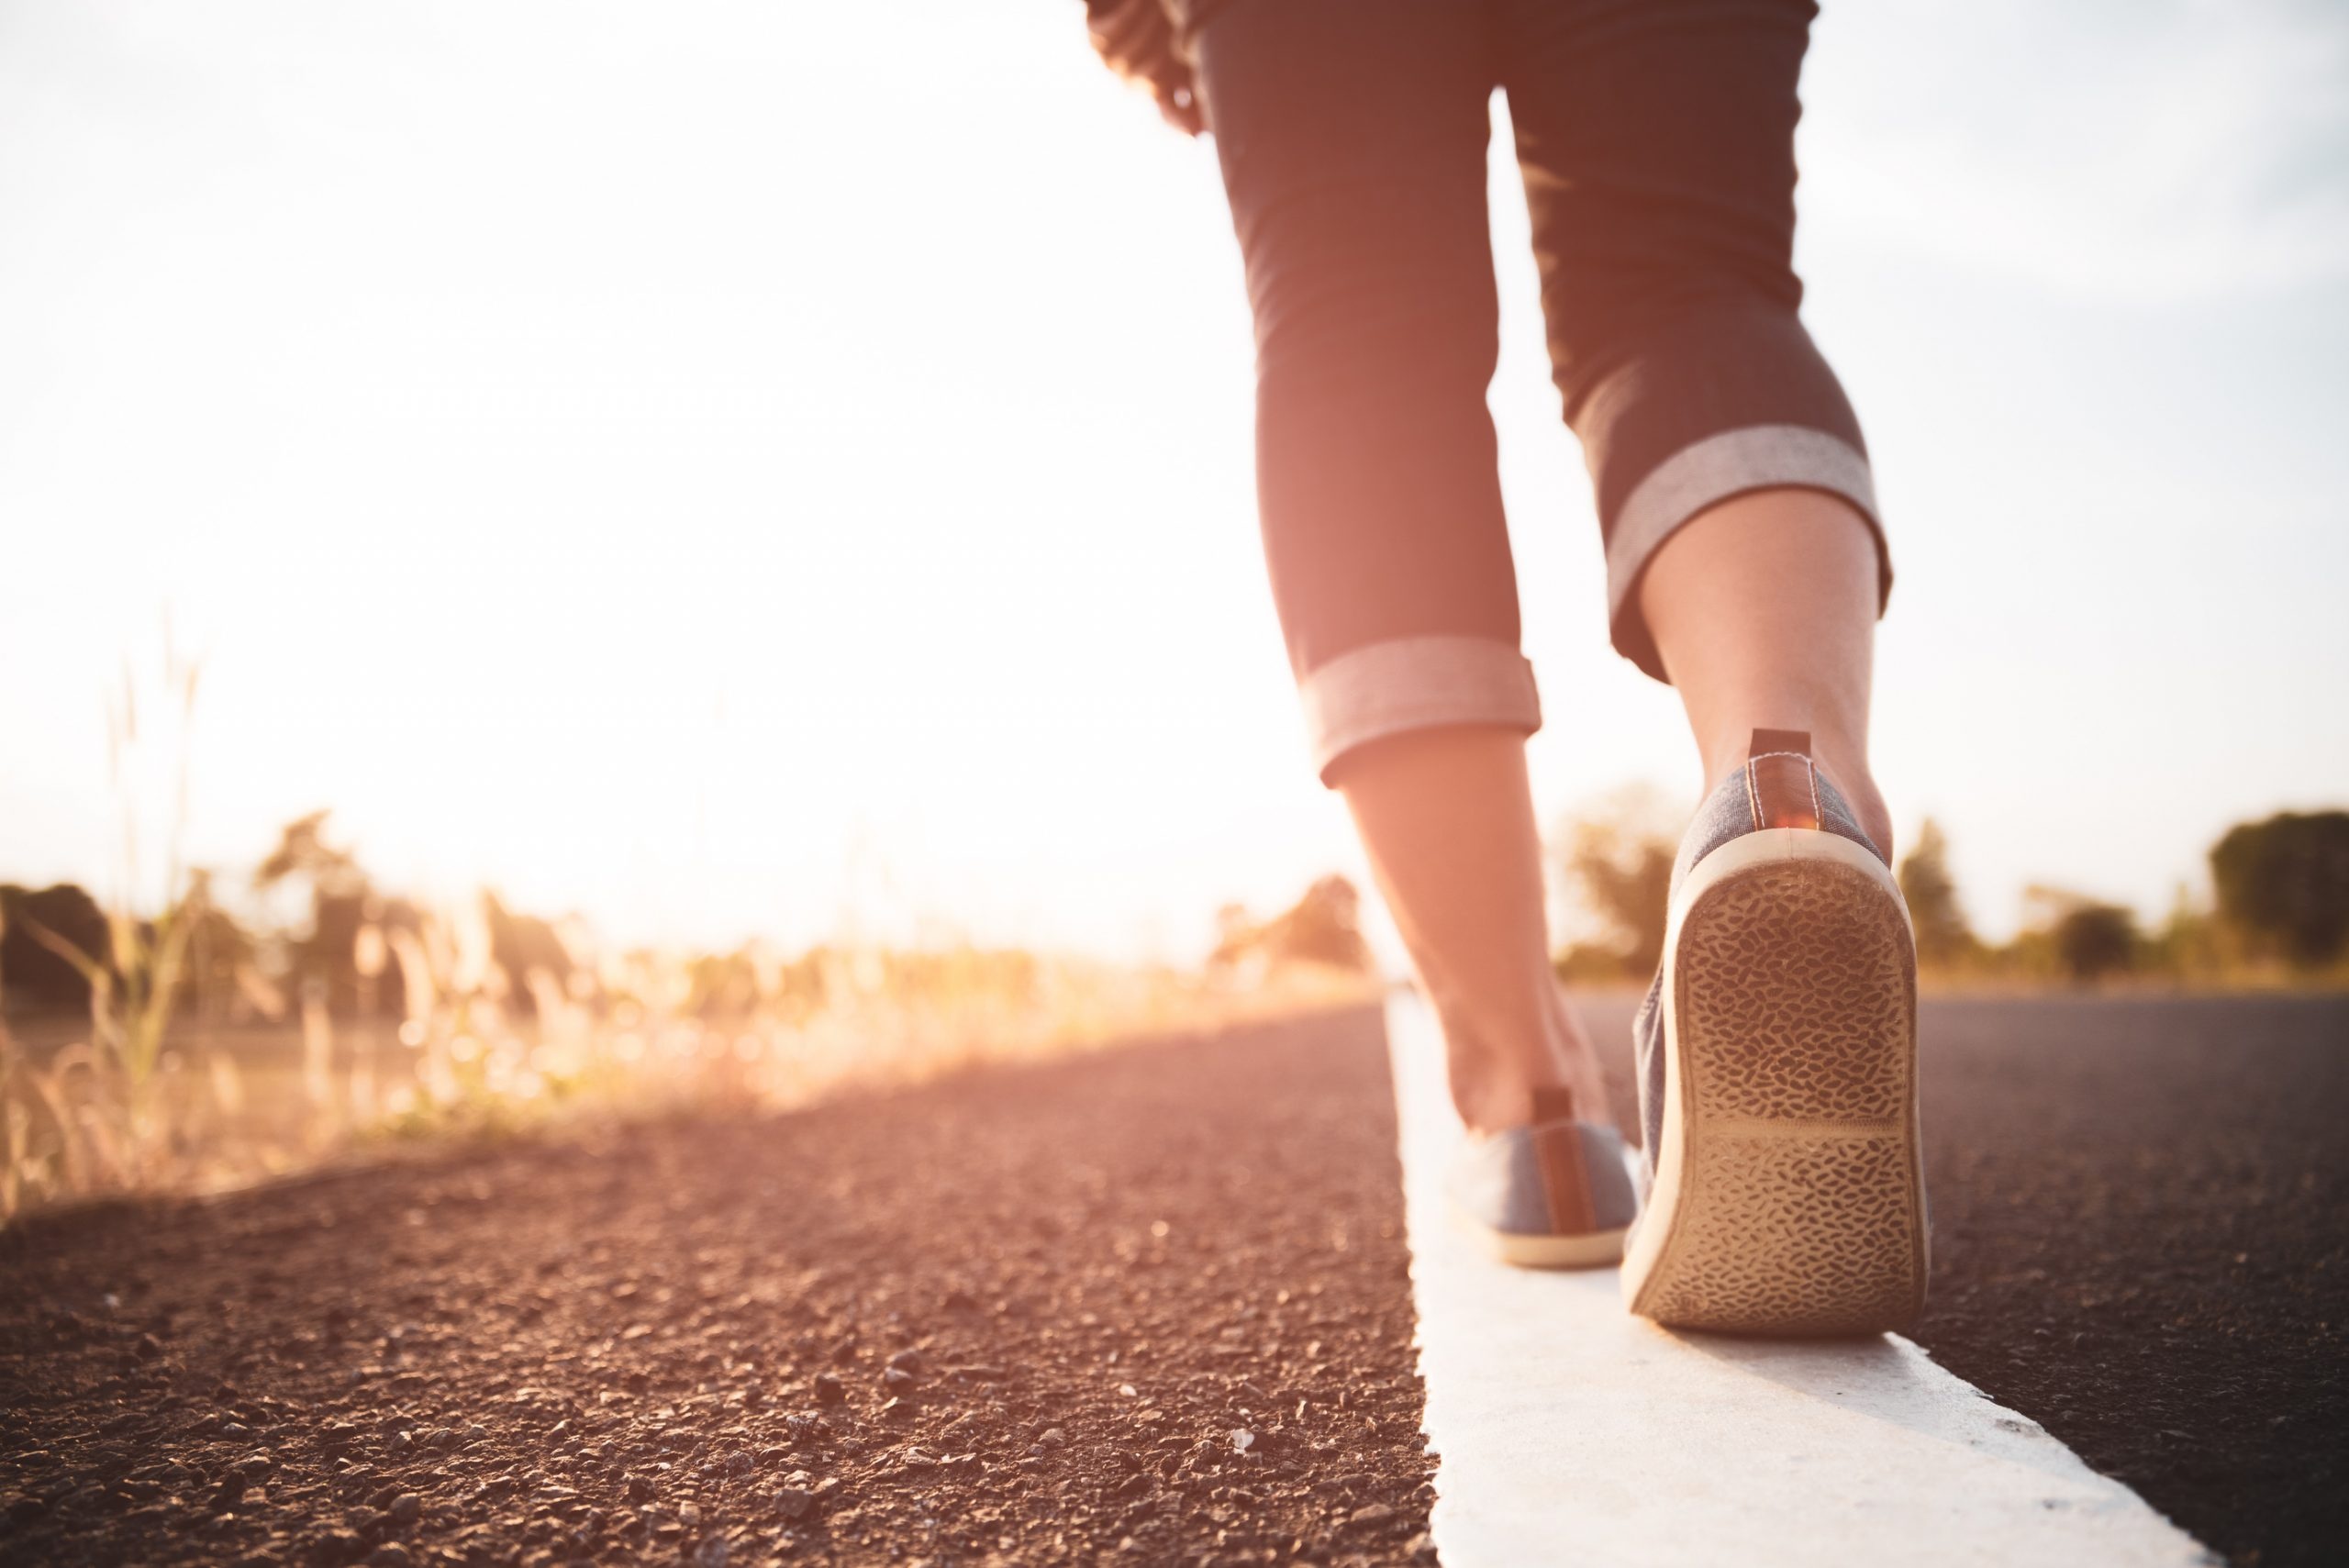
point(1704, 474)
point(1414, 682)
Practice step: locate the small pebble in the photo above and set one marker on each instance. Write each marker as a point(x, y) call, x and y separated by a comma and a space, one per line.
point(338, 1546)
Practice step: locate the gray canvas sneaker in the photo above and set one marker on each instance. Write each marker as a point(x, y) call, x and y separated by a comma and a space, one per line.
point(1558, 1194)
point(1777, 1063)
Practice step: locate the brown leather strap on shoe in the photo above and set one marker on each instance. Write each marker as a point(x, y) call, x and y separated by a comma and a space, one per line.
point(1781, 784)
point(1557, 1151)
point(1565, 1182)
point(1552, 1102)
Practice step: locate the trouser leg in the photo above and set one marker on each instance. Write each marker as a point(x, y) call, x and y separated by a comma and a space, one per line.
point(1351, 135)
point(1656, 139)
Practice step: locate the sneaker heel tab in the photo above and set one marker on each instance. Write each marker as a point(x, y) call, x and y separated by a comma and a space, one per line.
point(1552, 1102)
point(1782, 783)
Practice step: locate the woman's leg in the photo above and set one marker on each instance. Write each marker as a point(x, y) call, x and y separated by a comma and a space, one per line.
point(1745, 563)
point(1763, 610)
point(1352, 135)
point(1777, 1047)
point(1448, 820)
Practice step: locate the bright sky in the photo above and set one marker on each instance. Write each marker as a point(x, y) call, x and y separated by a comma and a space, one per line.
point(745, 468)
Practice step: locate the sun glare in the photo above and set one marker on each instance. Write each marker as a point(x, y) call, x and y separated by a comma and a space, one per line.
point(740, 476)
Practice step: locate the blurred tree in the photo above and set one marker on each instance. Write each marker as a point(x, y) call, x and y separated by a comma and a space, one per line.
point(1233, 929)
point(2088, 938)
point(2097, 940)
point(2191, 943)
point(303, 851)
point(1615, 865)
point(338, 953)
point(1944, 939)
point(2284, 884)
point(30, 970)
point(804, 986)
point(725, 986)
point(1324, 927)
point(220, 980)
point(521, 943)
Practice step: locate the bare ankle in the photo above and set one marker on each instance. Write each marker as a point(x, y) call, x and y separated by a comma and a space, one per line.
point(1496, 1065)
point(1866, 802)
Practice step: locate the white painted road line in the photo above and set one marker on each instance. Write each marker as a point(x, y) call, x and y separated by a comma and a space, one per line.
point(1569, 1431)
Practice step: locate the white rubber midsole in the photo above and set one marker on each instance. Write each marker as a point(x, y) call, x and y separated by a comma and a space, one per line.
point(1597, 1250)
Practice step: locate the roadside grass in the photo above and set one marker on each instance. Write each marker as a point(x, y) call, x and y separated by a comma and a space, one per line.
point(138, 1100)
point(191, 1071)
point(215, 1054)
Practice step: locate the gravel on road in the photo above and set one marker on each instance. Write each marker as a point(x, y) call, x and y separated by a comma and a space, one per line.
point(1148, 1306)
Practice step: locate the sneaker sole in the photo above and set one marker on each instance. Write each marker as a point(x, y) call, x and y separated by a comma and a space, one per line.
point(1789, 1192)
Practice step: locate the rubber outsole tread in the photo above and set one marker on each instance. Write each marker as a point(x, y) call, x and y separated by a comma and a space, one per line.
point(1797, 1208)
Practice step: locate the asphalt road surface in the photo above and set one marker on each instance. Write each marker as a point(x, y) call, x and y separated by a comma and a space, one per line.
point(2141, 1240)
point(1147, 1306)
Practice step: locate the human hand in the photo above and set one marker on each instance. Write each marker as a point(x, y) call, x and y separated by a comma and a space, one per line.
point(1136, 39)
